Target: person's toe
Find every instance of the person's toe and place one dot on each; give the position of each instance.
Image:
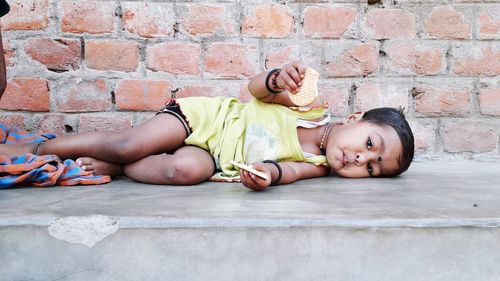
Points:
(86, 163)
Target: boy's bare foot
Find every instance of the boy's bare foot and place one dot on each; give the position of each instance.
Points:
(99, 167)
(16, 149)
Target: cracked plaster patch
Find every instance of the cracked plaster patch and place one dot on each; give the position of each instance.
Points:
(87, 231)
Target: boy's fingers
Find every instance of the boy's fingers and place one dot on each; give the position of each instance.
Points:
(252, 181)
(260, 181)
(247, 178)
(293, 73)
(244, 175)
(296, 77)
(253, 177)
(263, 183)
(287, 83)
(282, 82)
(301, 69)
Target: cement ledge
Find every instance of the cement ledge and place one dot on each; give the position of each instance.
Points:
(148, 222)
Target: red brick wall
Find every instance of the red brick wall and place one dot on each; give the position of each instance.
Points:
(76, 66)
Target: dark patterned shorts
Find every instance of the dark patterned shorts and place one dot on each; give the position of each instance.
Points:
(172, 107)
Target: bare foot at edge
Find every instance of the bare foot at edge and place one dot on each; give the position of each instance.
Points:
(99, 167)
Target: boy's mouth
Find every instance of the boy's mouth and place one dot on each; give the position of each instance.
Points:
(344, 159)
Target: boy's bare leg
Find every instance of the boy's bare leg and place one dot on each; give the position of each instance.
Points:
(188, 165)
(162, 133)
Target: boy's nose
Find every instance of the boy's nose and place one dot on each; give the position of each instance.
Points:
(359, 160)
(362, 158)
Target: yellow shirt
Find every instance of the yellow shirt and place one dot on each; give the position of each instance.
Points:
(246, 133)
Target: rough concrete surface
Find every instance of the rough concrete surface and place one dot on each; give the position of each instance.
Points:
(83, 230)
(439, 221)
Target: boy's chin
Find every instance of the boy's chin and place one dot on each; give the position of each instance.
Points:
(343, 174)
(337, 172)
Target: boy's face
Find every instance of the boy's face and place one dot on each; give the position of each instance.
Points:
(361, 149)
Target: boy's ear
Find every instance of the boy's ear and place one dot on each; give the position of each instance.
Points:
(355, 117)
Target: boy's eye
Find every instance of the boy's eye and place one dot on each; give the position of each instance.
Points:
(369, 143)
(370, 169)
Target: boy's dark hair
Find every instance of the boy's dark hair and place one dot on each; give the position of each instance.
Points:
(394, 118)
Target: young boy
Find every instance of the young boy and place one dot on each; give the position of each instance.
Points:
(199, 136)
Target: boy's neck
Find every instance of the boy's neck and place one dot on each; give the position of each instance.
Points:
(334, 126)
(324, 137)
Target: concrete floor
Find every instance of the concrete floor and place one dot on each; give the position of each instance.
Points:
(438, 221)
(429, 193)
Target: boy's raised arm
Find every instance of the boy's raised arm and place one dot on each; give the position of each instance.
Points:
(288, 78)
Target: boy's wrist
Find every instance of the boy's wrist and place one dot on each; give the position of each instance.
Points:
(271, 85)
(280, 171)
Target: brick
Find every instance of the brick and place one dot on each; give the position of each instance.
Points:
(51, 123)
(92, 17)
(371, 95)
(390, 24)
(281, 54)
(141, 95)
(412, 58)
(489, 24)
(27, 94)
(214, 89)
(117, 55)
(207, 20)
(227, 60)
(476, 60)
(56, 54)
(489, 101)
(108, 122)
(83, 96)
(424, 133)
(268, 21)
(445, 22)
(468, 136)
(27, 15)
(197, 91)
(8, 52)
(17, 120)
(358, 60)
(438, 101)
(337, 97)
(175, 58)
(324, 22)
(149, 19)
(315, 53)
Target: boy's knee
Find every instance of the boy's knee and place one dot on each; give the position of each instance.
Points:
(185, 172)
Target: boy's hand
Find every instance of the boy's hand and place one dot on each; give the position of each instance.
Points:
(291, 76)
(255, 182)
